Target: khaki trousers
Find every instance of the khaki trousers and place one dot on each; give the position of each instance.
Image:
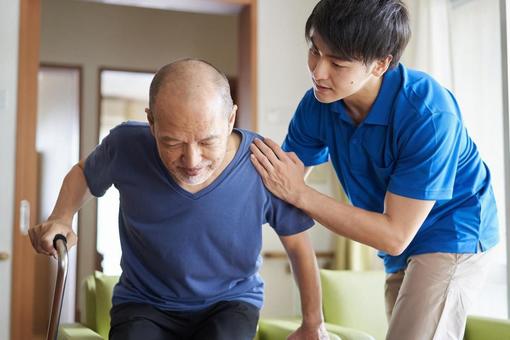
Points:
(431, 298)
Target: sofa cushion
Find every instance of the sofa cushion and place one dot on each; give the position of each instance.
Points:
(280, 329)
(77, 331)
(355, 299)
(88, 303)
(104, 292)
(482, 328)
(347, 333)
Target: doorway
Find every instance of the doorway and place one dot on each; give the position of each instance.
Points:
(123, 97)
(58, 149)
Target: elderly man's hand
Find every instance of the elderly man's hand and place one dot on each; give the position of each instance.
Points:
(42, 236)
(282, 172)
(310, 333)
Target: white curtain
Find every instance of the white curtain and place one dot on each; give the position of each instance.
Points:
(429, 48)
(458, 43)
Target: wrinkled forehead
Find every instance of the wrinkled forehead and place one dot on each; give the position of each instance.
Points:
(192, 130)
(192, 101)
(192, 116)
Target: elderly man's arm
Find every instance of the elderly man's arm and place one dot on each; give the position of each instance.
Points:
(306, 274)
(73, 194)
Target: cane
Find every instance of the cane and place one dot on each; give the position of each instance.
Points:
(60, 244)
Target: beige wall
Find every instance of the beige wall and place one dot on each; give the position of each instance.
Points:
(95, 35)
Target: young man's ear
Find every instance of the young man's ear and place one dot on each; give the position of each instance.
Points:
(150, 119)
(381, 66)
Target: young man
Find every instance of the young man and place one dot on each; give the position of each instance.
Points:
(191, 211)
(420, 192)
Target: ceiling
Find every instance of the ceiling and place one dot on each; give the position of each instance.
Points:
(196, 6)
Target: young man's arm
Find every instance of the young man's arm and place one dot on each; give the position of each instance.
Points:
(73, 194)
(306, 273)
(390, 231)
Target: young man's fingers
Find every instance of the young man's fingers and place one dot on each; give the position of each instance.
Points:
(267, 151)
(261, 170)
(276, 148)
(261, 157)
(295, 159)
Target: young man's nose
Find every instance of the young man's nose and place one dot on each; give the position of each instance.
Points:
(192, 156)
(320, 70)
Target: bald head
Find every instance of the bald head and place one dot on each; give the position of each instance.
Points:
(189, 78)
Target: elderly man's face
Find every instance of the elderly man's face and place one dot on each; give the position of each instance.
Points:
(191, 134)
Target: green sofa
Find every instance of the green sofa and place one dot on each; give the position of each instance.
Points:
(353, 304)
(480, 328)
(96, 303)
(353, 310)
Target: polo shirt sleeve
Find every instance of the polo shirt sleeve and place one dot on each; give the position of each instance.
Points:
(427, 163)
(98, 167)
(304, 134)
(285, 218)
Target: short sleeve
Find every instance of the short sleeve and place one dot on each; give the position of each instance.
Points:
(304, 134)
(285, 218)
(98, 167)
(427, 163)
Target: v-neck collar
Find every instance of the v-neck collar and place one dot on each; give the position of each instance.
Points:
(217, 181)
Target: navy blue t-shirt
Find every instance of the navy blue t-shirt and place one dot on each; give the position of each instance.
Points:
(412, 143)
(182, 250)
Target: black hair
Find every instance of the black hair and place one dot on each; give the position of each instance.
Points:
(362, 30)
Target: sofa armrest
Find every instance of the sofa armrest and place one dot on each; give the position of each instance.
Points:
(347, 333)
(481, 328)
(280, 329)
(76, 331)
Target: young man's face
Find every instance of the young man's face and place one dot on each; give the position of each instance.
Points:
(333, 78)
(191, 136)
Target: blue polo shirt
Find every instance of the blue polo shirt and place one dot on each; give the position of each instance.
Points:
(412, 143)
(186, 251)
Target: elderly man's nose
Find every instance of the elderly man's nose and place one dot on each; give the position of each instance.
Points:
(192, 156)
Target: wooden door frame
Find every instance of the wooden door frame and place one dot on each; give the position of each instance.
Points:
(247, 60)
(26, 182)
(23, 256)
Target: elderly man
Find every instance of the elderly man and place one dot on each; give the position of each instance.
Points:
(191, 213)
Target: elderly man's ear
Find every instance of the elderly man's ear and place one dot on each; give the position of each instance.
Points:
(232, 117)
(150, 119)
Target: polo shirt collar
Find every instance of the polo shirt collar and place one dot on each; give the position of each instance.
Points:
(339, 107)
